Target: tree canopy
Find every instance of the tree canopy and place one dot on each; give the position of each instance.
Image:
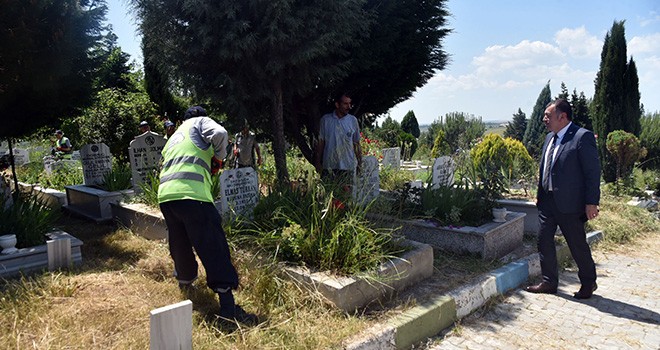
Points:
(277, 63)
(46, 70)
(515, 129)
(536, 130)
(616, 103)
(410, 125)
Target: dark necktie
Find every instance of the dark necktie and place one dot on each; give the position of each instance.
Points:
(548, 164)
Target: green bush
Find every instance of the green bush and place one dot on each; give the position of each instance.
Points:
(309, 225)
(118, 178)
(393, 179)
(408, 144)
(626, 150)
(649, 137)
(149, 190)
(489, 158)
(28, 218)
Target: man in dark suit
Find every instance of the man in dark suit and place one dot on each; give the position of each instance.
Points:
(568, 196)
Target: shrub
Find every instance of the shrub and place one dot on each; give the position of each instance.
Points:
(408, 144)
(393, 179)
(28, 218)
(626, 150)
(310, 226)
(117, 179)
(149, 190)
(440, 145)
(649, 137)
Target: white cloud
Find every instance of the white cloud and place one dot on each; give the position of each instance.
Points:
(644, 44)
(653, 17)
(578, 42)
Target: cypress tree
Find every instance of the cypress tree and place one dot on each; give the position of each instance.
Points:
(536, 131)
(410, 125)
(515, 129)
(633, 111)
(616, 96)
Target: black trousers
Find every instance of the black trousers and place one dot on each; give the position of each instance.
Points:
(195, 224)
(572, 227)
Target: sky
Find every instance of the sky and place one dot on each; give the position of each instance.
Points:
(504, 52)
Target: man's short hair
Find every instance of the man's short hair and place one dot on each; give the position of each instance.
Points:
(194, 112)
(339, 96)
(562, 105)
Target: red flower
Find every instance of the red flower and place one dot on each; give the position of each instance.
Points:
(337, 204)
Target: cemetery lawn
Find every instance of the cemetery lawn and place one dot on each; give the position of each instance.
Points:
(105, 303)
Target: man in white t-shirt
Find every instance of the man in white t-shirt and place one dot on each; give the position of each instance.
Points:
(338, 153)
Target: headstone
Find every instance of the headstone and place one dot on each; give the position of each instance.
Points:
(239, 192)
(4, 148)
(145, 153)
(96, 162)
(21, 156)
(443, 171)
(170, 327)
(59, 253)
(75, 155)
(367, 182)
(392, 158)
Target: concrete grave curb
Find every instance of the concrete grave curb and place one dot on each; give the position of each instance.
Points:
(433, 316)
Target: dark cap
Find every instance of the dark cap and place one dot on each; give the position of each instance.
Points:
(59, 132)
(193, 112)
(143, 123)
(168, 124)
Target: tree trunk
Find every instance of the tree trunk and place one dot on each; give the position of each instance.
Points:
(13, 168)
(279, 151)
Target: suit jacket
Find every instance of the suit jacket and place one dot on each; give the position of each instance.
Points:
(575, 172)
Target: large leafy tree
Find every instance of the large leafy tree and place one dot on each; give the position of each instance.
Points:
(616, 96)
(515, 129)
(536, 130)
(46, 70)
(410, 125)
(276, 63)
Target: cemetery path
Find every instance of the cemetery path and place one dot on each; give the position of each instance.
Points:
(624, 312)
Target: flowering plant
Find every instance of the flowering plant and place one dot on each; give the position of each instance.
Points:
(370, 147)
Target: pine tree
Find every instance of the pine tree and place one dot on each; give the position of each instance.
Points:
(515, 129)
(616, 95)
(536, 131)
(409, 124)
(580, 107)
(564, 91)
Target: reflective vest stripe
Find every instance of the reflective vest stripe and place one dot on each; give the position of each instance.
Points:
(187, 159)
(182, 176)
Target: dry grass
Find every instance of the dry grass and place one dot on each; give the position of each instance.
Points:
(105, 303)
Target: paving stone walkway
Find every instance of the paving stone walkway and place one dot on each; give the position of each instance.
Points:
(624, 313)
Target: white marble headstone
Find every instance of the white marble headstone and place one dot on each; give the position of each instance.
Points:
(21, 156)
(145, 153)
(443, 171)
(392, 157)
(367, 182)
(239, 192)
(96, 162)
(170, 327)
(75, 155)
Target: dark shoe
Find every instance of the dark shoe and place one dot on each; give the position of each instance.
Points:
(543, 288)
(585, 292)
(239, 315)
